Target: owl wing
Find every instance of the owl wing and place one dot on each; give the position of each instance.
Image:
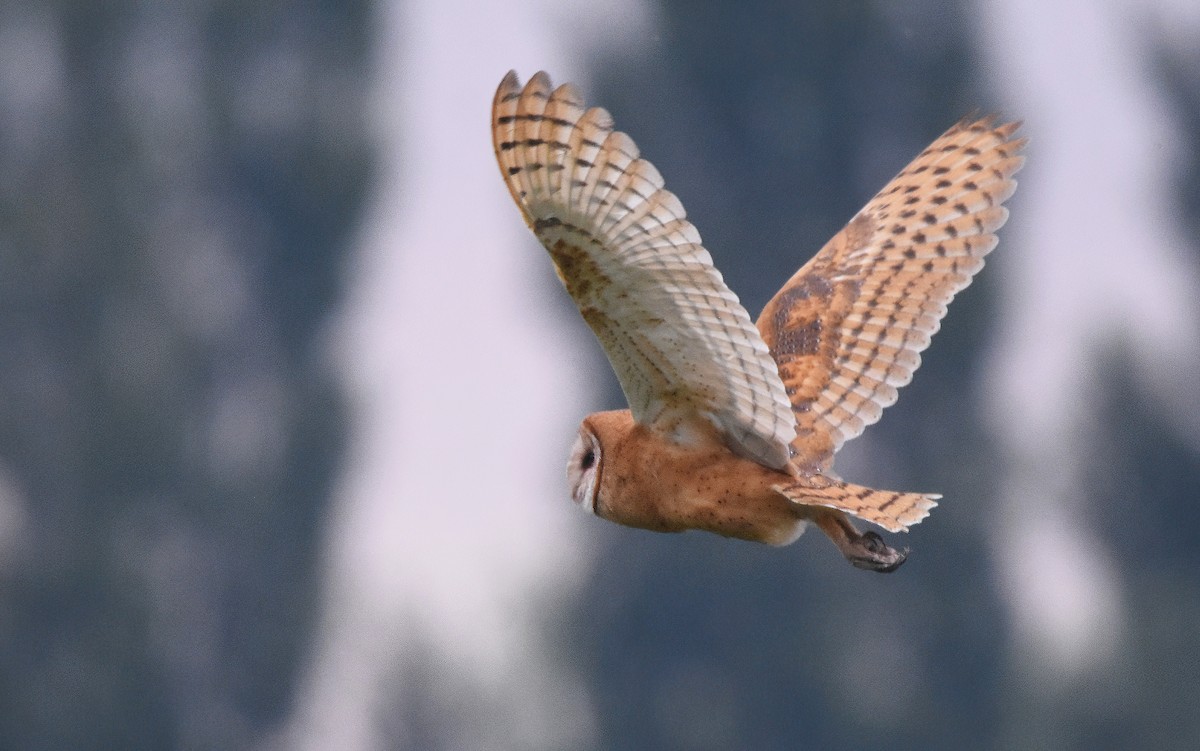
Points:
(678, 339)
(847, 329)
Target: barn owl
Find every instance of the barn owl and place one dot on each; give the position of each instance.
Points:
(732, 427)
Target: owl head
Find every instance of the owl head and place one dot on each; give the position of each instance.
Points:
(601, 438)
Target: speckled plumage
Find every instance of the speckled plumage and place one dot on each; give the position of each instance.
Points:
(732, 427)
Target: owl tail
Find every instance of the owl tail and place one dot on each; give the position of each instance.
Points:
(893, 511)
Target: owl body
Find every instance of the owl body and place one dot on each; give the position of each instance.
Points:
(686, 478)
(733, 425)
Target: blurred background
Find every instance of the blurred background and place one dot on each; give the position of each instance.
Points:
(287, 388)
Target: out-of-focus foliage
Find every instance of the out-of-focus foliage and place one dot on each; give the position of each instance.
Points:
(176, 185)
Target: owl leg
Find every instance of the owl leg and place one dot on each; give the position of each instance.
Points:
(865, 550)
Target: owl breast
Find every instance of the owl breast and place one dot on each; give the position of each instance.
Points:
(651, 481)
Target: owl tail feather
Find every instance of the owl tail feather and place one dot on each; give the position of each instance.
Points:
(892, 510)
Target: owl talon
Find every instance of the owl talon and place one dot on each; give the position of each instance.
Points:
(871, 553)
(865, 550)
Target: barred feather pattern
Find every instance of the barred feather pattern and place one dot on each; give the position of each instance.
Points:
(893, 510)
(679, 341)
(848, 329)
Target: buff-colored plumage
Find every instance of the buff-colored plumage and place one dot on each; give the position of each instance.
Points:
(733, 428)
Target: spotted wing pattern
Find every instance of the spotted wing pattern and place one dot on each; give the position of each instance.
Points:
(847, 329)
(678, 339)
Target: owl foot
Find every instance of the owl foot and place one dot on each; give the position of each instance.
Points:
(865, 550)
(870, 552)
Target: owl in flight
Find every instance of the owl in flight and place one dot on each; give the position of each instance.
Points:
(732, 427)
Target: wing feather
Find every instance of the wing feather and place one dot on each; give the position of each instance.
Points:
(679, 340)
(848, 329)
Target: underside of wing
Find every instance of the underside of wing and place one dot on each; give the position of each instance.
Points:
(679, 340)
(847, 330)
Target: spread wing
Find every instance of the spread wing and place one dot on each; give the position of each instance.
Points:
(848, 328)
(678, 339)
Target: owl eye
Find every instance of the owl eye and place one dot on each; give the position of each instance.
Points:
(589, 458)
